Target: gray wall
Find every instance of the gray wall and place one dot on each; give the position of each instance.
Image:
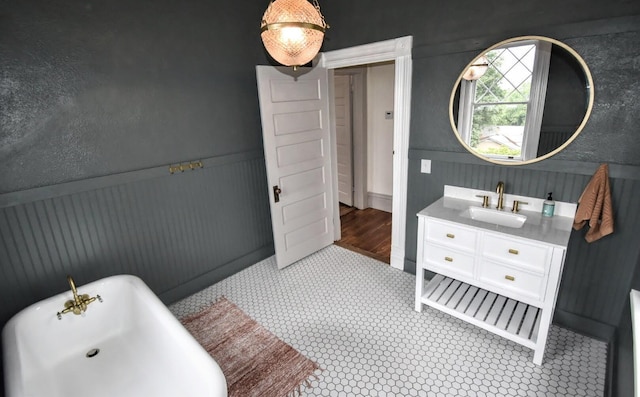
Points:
(97, 99)
(92, 88)
(178, 232)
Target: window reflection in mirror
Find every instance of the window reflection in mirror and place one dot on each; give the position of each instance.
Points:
(533, 99)
(503, 108)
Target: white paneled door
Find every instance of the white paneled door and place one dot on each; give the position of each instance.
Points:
(294, 108)
(342, 100)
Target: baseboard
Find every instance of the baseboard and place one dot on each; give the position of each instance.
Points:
(610, 387)
(397, 260)
(584, 325)
(409, 266)
(596, 330)
(220, 273)
(382, 202)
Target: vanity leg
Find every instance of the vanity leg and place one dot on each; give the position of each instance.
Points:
(419, 268)
(538, 355)
(546, 316)
(419, 288)
(543, 333)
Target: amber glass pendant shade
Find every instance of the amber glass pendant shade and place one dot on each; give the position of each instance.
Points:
(292, 31)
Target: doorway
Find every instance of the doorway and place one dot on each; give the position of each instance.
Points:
(399, 51)
(363, 108)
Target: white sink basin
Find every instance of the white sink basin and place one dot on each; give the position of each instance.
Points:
(491, 215)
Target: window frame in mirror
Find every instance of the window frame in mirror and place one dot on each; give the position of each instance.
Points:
(503, 160)
(534, 104)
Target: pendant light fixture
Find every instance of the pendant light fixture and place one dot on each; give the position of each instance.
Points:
(292, 31)
(477, 69)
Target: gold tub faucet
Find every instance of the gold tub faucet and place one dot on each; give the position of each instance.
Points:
(79, 303)
(500, 191)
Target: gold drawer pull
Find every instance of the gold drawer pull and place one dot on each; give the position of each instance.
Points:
(451, 235)
(510, 278)
(512, 251)
(448, 259)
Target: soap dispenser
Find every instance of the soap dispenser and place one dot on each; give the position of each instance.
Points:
(548, 206)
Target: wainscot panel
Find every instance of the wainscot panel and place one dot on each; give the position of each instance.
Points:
(179, 232)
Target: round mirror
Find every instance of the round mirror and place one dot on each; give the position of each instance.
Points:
(521, 101)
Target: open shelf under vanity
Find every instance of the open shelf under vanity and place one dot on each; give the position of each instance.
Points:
(511, 319)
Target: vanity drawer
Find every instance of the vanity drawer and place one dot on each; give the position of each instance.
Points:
(451, 235)
(529, 256)
(447, 261)
(521, 283)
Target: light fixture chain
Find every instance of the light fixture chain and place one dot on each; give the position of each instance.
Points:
(317, 6)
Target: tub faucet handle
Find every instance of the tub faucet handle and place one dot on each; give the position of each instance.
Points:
(77, 305)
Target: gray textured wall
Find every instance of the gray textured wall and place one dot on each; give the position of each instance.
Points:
(96, 100)
(92, 88)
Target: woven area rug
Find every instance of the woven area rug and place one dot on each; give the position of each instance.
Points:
(254, 361)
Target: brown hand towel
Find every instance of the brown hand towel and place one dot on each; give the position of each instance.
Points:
(594, 206)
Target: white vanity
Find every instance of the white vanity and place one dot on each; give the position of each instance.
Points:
(496, 269)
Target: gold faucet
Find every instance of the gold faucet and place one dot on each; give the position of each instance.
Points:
(79, 303)
(500, 191)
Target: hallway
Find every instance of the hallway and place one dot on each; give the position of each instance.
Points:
(367, 232)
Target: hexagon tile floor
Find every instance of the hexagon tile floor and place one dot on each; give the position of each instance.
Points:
(354, 316)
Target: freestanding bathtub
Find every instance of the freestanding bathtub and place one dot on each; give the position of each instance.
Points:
(127, 345)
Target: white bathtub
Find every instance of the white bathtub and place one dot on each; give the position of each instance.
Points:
(143, 348)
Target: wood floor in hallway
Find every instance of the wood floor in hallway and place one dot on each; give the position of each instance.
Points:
(367, 232)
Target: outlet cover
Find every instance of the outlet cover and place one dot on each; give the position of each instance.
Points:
(425, 166)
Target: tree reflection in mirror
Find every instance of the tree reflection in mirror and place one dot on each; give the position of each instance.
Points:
(532, 97)
(502, 110)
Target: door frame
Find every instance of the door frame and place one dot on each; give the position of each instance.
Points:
(398, 50)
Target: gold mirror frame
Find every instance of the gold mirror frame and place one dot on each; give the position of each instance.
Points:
(587, 114)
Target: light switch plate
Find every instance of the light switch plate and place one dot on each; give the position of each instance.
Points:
(425, 166)
(388, 115)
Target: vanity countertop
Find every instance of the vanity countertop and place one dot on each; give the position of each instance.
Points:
(554, 230)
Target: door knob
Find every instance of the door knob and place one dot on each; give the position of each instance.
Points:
(276, 193)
